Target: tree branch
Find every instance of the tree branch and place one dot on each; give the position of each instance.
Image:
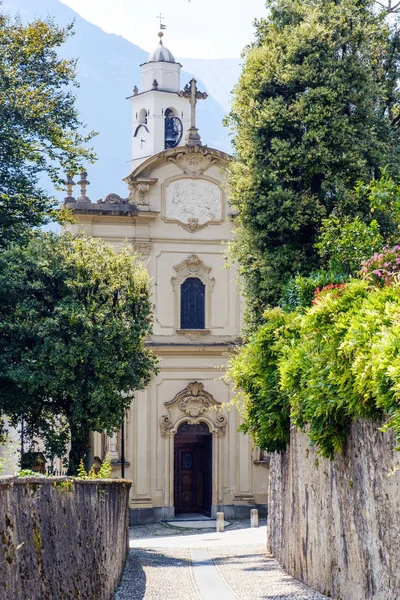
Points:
(389, 7)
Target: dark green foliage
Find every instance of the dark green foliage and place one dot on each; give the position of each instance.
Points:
(74, 317)
(343, 244)
(39, 124)
(299, 291)
(314, 112)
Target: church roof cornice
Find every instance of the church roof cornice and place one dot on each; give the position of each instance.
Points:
(164, 62)
(172, 155)
(112, 209)
(157, 91)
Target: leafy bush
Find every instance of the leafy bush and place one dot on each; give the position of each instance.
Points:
(343, 243)
(104, 471)
(337, 287)
(266, 409)
(29, 473)
(382, 267)
(383, 195)
(323, 367)
(299, 292)
(314, 373)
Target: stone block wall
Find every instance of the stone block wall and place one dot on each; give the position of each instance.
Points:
(336, 525)
(62, 539)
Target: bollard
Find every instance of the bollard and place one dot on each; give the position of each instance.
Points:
(254, 517)
(220, 522)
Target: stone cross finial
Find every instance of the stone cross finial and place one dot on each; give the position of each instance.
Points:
(69, 182)
(191, 93)
(83, 183)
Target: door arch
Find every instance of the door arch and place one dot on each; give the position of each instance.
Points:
(193, 469)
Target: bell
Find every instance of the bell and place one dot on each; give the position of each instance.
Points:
(170, 133)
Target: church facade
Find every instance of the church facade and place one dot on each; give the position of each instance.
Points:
(182, 448)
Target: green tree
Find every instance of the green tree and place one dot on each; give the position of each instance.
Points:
(39, 125)
(74, 317)
(314, 112)
(343, 243)
(383, 195)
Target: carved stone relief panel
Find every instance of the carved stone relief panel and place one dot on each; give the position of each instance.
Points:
(193, 405)
(193, 203)
(142, 247)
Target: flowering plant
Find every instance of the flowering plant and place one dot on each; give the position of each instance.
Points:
(383, 267)
(332, 286)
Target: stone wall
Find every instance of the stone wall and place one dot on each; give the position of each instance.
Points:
(62, 539)
(336, 525)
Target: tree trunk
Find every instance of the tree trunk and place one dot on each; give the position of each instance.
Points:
(80, 437)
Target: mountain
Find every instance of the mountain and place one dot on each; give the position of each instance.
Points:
(219, 75)
(108, 68)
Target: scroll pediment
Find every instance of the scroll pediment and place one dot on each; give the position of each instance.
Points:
(194, 402)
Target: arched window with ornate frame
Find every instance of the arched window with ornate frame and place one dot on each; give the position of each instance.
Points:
(193, 304)
(192, 290)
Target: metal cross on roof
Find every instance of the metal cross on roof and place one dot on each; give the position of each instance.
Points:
(161, 19)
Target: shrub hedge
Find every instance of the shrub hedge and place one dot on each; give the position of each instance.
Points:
(323, 367)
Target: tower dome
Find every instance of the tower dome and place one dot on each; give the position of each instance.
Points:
(161, 53)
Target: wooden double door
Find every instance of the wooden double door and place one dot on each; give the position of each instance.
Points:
(193, 470)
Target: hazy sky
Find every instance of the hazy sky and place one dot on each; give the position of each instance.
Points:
(195, 29)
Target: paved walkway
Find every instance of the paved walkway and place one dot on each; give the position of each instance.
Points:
(169, 564)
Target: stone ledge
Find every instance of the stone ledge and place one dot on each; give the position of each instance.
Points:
(7, 480)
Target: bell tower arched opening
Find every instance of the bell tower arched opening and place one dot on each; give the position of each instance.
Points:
(173, 128)
(143, 116)
(193, 469)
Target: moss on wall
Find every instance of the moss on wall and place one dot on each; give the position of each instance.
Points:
(61, 538)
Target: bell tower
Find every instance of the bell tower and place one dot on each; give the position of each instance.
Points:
(160, 115)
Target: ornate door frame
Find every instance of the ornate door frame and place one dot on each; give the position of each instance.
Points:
(193, 405)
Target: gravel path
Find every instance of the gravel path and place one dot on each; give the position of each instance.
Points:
(165, 563)
(252, 575)
(158, 575)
